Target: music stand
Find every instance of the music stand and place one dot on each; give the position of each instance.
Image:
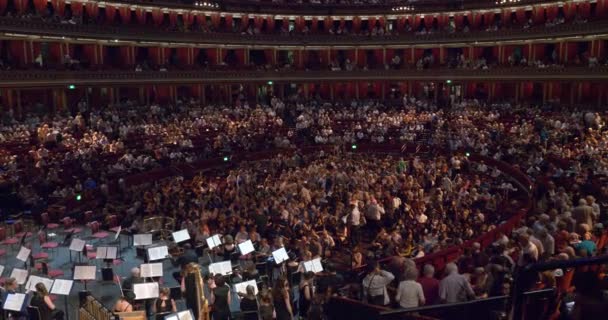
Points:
(85, 273)
(14, 302)
(62, 287)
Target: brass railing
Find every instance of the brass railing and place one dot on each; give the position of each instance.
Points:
(35, 78)
(18, 26)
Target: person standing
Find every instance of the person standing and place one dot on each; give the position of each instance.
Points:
(454, 287)
(220, 298)
(374, 285)
(282, 300)
(409, 292)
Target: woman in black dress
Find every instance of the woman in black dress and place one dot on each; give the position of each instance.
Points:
(282, 300)
(220, 298)
(306, 293)
(45, 305)
(249, 305)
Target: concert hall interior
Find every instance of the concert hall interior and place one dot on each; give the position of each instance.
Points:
(303, 159)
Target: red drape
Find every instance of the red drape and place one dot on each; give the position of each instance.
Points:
(228, 18)
(54, 53)
(141, 15)
(20, 5)
(92, 9)
(459, 21)
(158, 16)
(155, 55)
(489, 18)
(187, 18)
(315, 24)
(125, 14)
(539, 51)
(173, 18)
(215, 20)
(77, 8)
(356, 24)
(371, 22)
(539, 15)
(39, 4)
(602, 8)
(401, 24)
(268, 54)
(428, 21)
(327, 23)
(521, 15)
(110, 13)
(270, 23)
(584, 9)
(89, 52)
(3, 4)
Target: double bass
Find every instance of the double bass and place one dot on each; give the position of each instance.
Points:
(194, 294)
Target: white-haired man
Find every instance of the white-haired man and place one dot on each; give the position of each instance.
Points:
(454, 287)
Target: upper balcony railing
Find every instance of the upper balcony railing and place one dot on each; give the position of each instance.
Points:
(62, 78)
(308, 7)
(17, 26)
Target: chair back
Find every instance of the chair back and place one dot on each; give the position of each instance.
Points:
(18, 226)
(94, 226)
(33, 313)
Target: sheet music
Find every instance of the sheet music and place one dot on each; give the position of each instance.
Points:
(280, 255)
(77, 245)
(158, 253)
(14, 301)
(34, 280)
(20, 275)
(181, 236)
(214, 241)
(24, 254)
(185, 315)
(143, 239)
(313, 265)
(85, 272)
(242, 286)
(246, 247)
(223, 268)
(62, 287)
(106, 253)
(1, 270)
(150, 270)
(147, 290)
(172, 316)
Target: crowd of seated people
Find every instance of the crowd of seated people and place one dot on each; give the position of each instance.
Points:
(369, 206)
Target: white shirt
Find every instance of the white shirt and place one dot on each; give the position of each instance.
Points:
(409, 294)
(355, 217)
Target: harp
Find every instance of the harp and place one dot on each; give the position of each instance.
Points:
(194, 293)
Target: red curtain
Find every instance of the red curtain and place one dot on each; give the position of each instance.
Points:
(489, 18)
(539, 15)
(539, 51)
(54, 53)
(110, 13)
(186, 17)
(89, 52)
(141, 16)
(270, 23)
(77, 8)
(155, 55)
(584, 9)
(459, 21)
(215, 20)
(92, 9)
(601, 8)
(356, 24)
(371, 22)
(269, 55)
(315, 24)
(552, 12)
(20, 5)
(428, 21)
(3, 4)
(158, 16)
(475, 20)
(521, 16)
(125, 14)
(39, 4)
(173, 18)
(327, 23)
